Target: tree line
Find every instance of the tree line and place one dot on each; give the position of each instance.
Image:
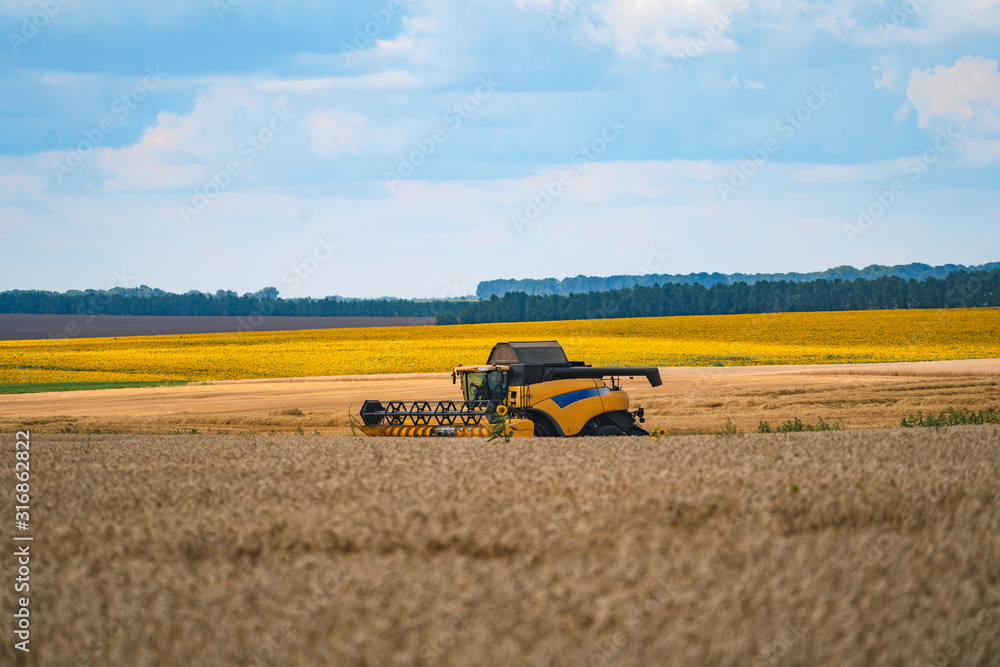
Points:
(266, 302)
(582, 284)
(960, 289)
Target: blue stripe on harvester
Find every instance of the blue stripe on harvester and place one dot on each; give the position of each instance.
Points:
(572, 397)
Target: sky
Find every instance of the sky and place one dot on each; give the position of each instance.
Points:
(413, 149)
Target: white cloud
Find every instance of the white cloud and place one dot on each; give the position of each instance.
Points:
(658, 31)
(819, 174)
(915, 22)
(141, 167)
(946, 19)
(180, 148)
(947, 91)
(966, 98)
(793, 211)
(336, 134)
(890, 79)
(22, 185)
(378, 81)
(426, 51)
(750, 84)
(902, 113)
(926, 22)
(982, 152)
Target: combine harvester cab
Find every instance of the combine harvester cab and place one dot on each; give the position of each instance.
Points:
(526, 388)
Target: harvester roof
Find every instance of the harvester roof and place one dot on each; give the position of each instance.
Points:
(528, 352)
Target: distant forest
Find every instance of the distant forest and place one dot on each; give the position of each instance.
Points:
(958, 290)
(266, 302)
(584, 284)
(961, 289)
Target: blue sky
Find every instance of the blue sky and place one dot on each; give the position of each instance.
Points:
(414, 149)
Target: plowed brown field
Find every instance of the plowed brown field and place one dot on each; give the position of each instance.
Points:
(846, 548)
(27, 327)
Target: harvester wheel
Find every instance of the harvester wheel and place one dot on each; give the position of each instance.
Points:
(608, 430)
(543, 430)
(635, 430)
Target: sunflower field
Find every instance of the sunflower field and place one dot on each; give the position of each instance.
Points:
(779, 338)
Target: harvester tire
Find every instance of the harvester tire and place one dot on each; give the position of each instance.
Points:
(543, 430)
(607, 430)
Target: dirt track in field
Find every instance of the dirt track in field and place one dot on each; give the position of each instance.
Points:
(848, 548)
(691, 400)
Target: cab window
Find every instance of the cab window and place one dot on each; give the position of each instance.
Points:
(491, 385)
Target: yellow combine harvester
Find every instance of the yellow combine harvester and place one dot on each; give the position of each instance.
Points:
(523, 389)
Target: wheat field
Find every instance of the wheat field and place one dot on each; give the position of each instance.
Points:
(846, 548)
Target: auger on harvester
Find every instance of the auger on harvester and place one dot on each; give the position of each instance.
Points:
(523, 389)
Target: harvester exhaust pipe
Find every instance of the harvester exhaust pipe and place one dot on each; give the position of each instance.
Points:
(650, 373)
